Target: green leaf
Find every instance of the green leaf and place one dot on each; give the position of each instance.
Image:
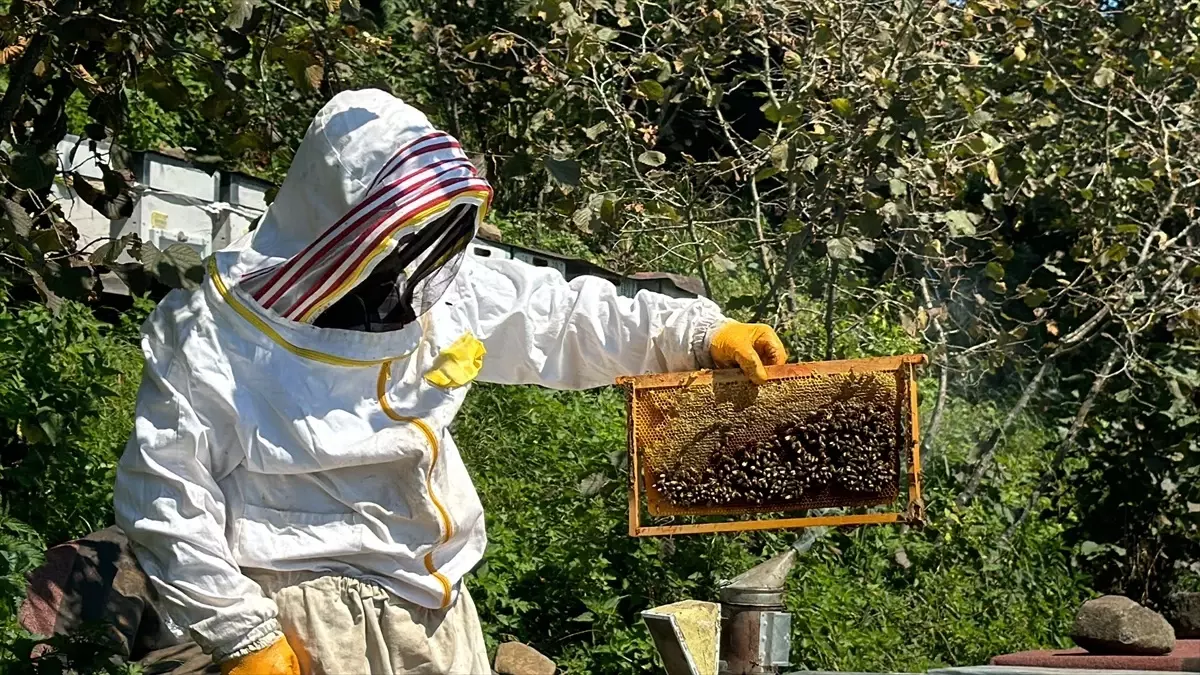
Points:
(297, 64)
(897, 187)
(564, 171)
(517, 166)
(247, 140)
(652, 158)
(108, 253)
(48, 240)
(663, 209)
(961, 223)
(650, 89)
(114, 199)
(1036, 298)
(765, 173)
(869, 224)
(1130, 25)
(842, 106)
(606, 34)
(994, 271)
(31, 171)
(1045, 121)
(239, 11)
(20, 220)
(608, 211)
(164, 88)
(793, 225)
(593, 132)
(810, 163)
(179, 266)
(582, 218)
(1114, 254)
(840, 248)
(1104, 76)
(742, 302)
(724, 264)
(592, 485)
(481, 42)
(979, 119)
(780, 156)
(51, 426)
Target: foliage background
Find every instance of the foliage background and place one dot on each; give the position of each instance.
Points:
(1007, 186)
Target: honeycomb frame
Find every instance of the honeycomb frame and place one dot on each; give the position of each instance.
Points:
(793, 384)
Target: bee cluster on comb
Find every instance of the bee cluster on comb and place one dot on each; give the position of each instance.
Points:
(847, 447)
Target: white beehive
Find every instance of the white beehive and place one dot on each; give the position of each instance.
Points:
(481, 248)
(537, 260)
(247, 198)
(176, 205)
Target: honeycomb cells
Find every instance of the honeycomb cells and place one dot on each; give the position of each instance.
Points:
(847, 446)
(810, 442)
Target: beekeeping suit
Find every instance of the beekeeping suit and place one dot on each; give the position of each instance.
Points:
(291, 470)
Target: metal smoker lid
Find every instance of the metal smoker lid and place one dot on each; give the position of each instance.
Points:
(762, 585)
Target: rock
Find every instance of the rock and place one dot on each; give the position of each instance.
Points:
(490, 232)
(1117, 625)
(1183, 612)
(514, 658)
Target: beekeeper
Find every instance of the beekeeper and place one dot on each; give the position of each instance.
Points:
(291, 486)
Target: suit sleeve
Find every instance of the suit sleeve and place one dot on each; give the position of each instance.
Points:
(540, 329)
(170, 506)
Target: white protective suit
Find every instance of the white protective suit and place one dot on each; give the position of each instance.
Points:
(264, 442)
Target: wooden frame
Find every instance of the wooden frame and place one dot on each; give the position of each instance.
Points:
(914, 512)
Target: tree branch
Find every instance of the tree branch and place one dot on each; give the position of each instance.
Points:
(988, 450)
(830, 296)
(1068, 443)
(935, 418)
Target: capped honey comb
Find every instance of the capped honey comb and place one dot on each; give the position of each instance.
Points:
(815, 436)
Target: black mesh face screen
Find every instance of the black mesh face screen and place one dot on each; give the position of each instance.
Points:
(439, 266)
(389, 299)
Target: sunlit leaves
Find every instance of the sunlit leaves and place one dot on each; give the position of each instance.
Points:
(652, 158)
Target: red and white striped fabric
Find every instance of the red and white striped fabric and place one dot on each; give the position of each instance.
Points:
(425, 180)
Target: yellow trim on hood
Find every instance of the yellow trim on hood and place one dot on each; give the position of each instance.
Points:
(257, 321)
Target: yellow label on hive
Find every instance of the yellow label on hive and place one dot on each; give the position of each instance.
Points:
(158, 220)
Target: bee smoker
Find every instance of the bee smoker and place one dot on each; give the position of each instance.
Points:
(754, 633)
(755, 629)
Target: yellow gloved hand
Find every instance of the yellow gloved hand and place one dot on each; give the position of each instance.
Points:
(749, 346)
(458, 364)
(278, 659)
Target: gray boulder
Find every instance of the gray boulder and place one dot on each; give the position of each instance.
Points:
(1183, 611)
(1117, 625)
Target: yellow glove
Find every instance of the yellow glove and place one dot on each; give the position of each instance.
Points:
(458, 364)
(749, 346)
(278, 659)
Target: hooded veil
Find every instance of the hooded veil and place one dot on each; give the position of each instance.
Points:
(373, 228)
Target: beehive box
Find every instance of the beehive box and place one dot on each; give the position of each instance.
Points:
(834, 434)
